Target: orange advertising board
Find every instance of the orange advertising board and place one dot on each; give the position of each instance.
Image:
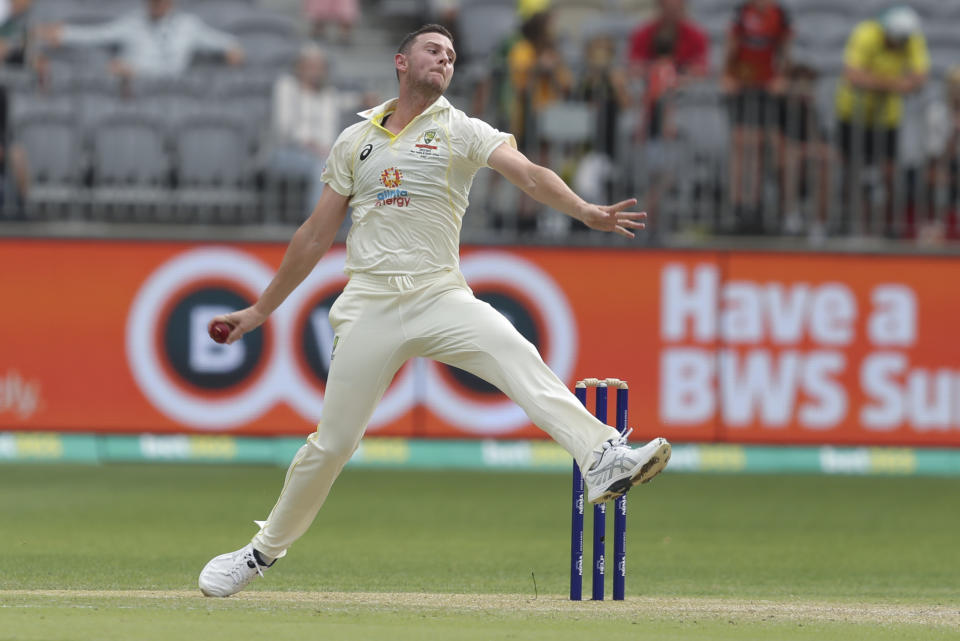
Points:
(717, 346)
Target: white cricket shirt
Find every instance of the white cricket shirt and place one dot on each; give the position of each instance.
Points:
(409, 191)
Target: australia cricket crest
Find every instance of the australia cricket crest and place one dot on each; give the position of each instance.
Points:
(427, 144)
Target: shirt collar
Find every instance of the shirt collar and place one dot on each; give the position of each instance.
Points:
(376, 113)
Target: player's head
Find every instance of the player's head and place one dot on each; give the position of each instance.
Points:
(424, 59)
(899, 23)
(158, 8)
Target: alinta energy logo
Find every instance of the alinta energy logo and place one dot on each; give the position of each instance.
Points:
(392, 179)
(209, 386)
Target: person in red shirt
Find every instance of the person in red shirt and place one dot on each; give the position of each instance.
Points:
(671, 34)
(753, 78)
(667, 52)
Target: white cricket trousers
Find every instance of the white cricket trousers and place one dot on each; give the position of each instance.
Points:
(381, 322)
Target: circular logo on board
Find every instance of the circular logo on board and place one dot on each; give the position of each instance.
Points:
(193, 356)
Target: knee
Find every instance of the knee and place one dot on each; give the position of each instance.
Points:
(330, 449)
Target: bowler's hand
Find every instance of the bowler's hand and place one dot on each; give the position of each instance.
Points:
(242, 321)
(614, 218)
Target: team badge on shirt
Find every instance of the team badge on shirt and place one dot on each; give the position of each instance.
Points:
(392, 179)
(427, 143)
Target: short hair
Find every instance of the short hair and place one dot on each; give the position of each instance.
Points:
(408, 39)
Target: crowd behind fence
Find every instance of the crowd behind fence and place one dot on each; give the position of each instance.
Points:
(801, 183)
(198, 148)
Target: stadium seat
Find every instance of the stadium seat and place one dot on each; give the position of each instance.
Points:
(367, 68)
(799, 8)
(68, 64)
(53, 150)
(943, 35)
(712, 11)
(825, 59)
(483, 26)
(219, 13)
(214, 166)
(566, 122)
(17, 79)
(824, 31)
(401, 8)
(246, 97)
(703, 125)
(97, 98)
(29, 100)
(130, 163)
(269, 50)
(260, 21)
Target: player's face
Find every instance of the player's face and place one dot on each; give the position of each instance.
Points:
(430, 62)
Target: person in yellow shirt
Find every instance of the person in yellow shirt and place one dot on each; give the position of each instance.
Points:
(538, 73)
(538, 77)
(885, 58)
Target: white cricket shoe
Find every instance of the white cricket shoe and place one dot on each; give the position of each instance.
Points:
(229, 573)
(618, 467)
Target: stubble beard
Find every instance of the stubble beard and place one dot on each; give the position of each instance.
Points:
(427, 90)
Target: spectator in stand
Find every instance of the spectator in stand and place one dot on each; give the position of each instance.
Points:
(526, 9)
(154, 41)
(13, 46)
(753, 79)
(306, 120)
(322, 12)
(943, 162)
(884, 59)
(538, 76)
(14, 32)
(805, 162)
(667, 52)
(445, 12)
(603, 86)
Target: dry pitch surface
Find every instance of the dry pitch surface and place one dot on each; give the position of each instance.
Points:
(646, 607)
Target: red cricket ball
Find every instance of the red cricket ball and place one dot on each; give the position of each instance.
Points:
(219, 331)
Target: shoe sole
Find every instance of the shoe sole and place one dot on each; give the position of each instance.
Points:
(648, 471)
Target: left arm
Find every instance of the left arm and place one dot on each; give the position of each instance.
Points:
(545, 186)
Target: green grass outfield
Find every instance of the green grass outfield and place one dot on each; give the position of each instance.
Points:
(112, 552)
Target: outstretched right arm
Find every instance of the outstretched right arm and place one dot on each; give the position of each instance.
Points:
(308, 245)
